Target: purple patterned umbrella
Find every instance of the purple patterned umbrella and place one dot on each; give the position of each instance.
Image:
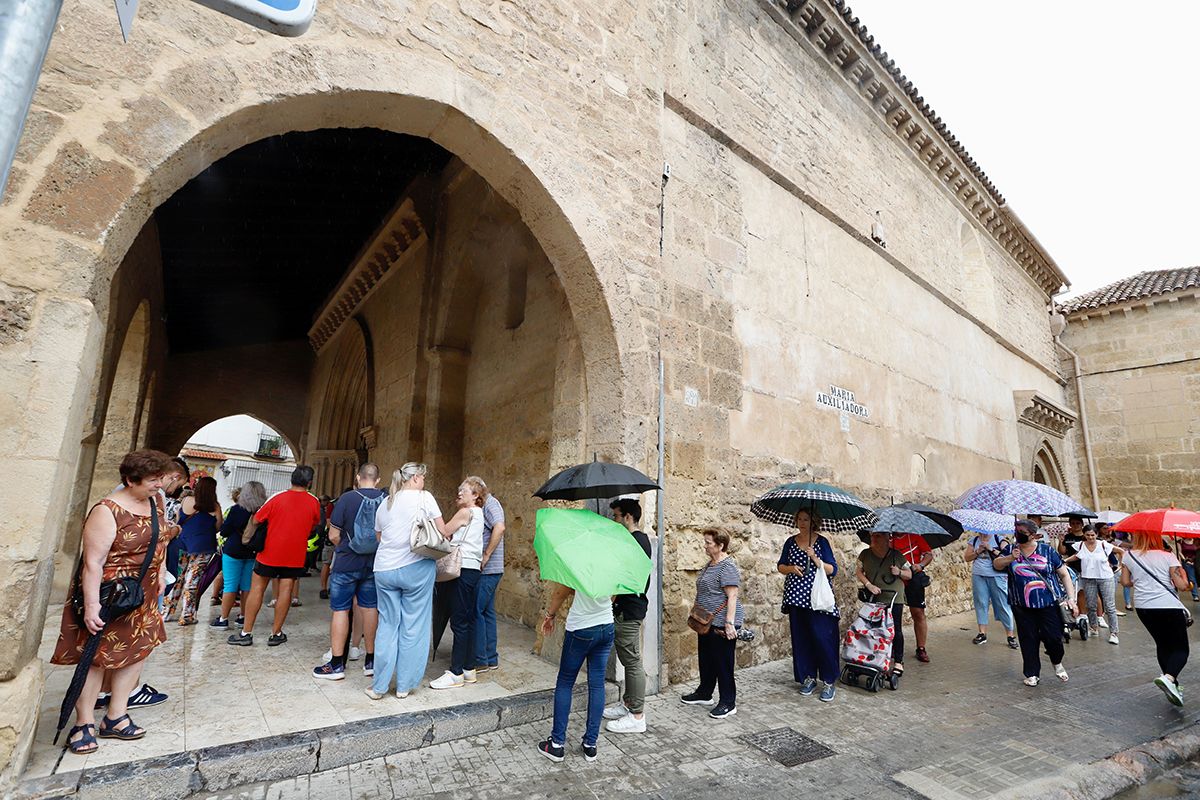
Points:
(985, 521)
(1019, 497)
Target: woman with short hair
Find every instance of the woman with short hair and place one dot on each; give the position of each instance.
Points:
(237, 560)
(201, 517)
(815, 634)
(717, 588)
(116, 541)
(1157, 577)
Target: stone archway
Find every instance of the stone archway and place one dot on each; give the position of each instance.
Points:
(1047, 469)
(345, 434)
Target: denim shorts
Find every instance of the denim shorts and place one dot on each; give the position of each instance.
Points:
(344, 587)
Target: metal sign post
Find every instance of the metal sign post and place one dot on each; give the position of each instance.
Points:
(126, 9)
(282, 17)
(25, 30)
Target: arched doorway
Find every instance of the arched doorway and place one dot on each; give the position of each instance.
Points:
(1046, 468)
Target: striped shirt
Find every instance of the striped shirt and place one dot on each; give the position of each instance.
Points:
(710, 591)
(493, 515)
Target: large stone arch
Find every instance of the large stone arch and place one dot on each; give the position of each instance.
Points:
(418, 96)
(344, 434)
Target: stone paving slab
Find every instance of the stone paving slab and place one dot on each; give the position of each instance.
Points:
(962, 727)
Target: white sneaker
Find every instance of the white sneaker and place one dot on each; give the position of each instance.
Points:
(1032, 680)
(1112, 639)
(1170, 689)
(328, 655)
(469, 676)
(448, 681)
(1103, 623)
(371, 693)
(355, 654)
(616, 712)
(1061, 672)
(401, 695)
(627, 724)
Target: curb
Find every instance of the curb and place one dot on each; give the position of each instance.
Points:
(1109, 777)
(290, 755)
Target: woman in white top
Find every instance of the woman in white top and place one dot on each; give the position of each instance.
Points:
(467, 534)
(403, 584)
(1157, 578)
(1095, 578)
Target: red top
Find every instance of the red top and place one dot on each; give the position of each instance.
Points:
(911, 546)
(291, 516)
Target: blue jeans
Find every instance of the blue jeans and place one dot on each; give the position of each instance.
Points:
(1190, 568)
(994, 589)
(486, 654)
(462, 621)
(405, 618)
(592, 644)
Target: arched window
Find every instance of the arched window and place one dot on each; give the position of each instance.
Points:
(1046, 469)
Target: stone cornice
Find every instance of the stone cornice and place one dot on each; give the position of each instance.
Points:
(398, 235)
(830, 28)
(1042, 413)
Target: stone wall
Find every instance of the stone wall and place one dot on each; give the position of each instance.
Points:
(1142, 394)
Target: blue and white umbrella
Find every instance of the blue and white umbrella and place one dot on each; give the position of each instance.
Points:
(1020, 497)
(897, 520)
(985, 522)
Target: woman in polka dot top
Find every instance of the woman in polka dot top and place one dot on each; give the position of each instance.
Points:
(814, 633)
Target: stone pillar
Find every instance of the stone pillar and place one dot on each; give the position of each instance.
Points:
(47, 360)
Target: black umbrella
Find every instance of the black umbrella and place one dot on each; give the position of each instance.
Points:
(595, 480)
(77, 680)
(954, 528)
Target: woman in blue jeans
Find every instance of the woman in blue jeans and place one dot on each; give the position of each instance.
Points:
(589, 635)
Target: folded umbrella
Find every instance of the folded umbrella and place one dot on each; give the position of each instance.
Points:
(1020, 497)
(838, 509)
(897, 520)
(595, 480)
(1166, 521)
(589, 553)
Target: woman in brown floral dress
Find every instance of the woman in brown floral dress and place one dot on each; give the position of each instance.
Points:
(116, 536)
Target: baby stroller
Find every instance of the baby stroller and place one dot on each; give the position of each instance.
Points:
(1071, 624)
(867, 648)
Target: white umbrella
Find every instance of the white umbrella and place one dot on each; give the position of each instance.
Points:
(1110, 517)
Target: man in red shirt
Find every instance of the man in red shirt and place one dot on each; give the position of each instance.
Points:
(290, 516)
(918, 554)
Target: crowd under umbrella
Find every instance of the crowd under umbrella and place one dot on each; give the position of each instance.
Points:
(900, 520)
(1020, 497)
(838, 509)
(985, 522)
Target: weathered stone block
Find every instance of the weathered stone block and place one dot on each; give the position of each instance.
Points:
(79, 193)
(267, 759)
(458, 722)
(373, 738)
(149, 133)
(522, 708)
(162, 778)
(49, 787)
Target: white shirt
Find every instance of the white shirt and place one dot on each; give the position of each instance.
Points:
(396, 526)
(469, 539)
(588, 612)
(1094, 564)
(1149, 593)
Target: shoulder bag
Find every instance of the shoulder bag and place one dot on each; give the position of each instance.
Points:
(426, 541)
(700, 620)
(254, 535)
(449, 566)
(119, 596)
(864, 594)
(1187, 615)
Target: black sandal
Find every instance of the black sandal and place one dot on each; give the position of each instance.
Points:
(86, 743)
(109, 729)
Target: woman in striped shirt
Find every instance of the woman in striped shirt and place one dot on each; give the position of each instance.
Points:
(717, 592)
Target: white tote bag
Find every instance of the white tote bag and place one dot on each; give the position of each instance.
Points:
(822, 592)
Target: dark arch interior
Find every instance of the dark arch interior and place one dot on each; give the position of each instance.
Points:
(253, 245)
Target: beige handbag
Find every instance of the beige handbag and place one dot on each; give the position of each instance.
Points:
(427, 541)
(449, 566)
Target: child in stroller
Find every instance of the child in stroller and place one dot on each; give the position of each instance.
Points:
(873, 648)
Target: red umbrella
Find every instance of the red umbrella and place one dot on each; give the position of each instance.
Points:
(1168, 521)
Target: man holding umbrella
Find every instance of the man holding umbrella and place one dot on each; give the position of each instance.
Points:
(629, 610)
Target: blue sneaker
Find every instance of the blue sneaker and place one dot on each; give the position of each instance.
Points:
(329, 672)
(219, 623)
(808, 687)
(146, 696)
(828, 693)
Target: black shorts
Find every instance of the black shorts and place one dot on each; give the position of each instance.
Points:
(267, 571)
(914, 596)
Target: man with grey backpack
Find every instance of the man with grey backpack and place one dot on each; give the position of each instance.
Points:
(352, 575)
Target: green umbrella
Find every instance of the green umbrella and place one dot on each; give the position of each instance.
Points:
(589, 553)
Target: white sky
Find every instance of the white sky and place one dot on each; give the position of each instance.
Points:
(1082, 114)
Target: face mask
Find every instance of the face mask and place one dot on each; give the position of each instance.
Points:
(1022, 537)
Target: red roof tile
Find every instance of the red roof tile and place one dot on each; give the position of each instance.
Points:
(1144, 284)
(210, 455)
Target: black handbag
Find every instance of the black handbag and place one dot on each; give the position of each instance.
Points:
(119, 596)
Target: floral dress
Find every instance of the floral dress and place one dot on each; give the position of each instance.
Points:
(129, 638)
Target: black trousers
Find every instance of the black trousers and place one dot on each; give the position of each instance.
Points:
(715, 654)
(898, 642)
(1038, 626)
(1168, 629)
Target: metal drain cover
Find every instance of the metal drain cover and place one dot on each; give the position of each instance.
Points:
(787, 746)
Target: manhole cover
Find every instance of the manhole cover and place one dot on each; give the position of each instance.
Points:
(787, 746)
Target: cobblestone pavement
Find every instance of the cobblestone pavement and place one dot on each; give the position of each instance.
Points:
(962, 726)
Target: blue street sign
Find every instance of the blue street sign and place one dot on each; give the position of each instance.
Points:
(283, 17)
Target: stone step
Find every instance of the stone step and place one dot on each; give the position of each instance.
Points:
(273, 758)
